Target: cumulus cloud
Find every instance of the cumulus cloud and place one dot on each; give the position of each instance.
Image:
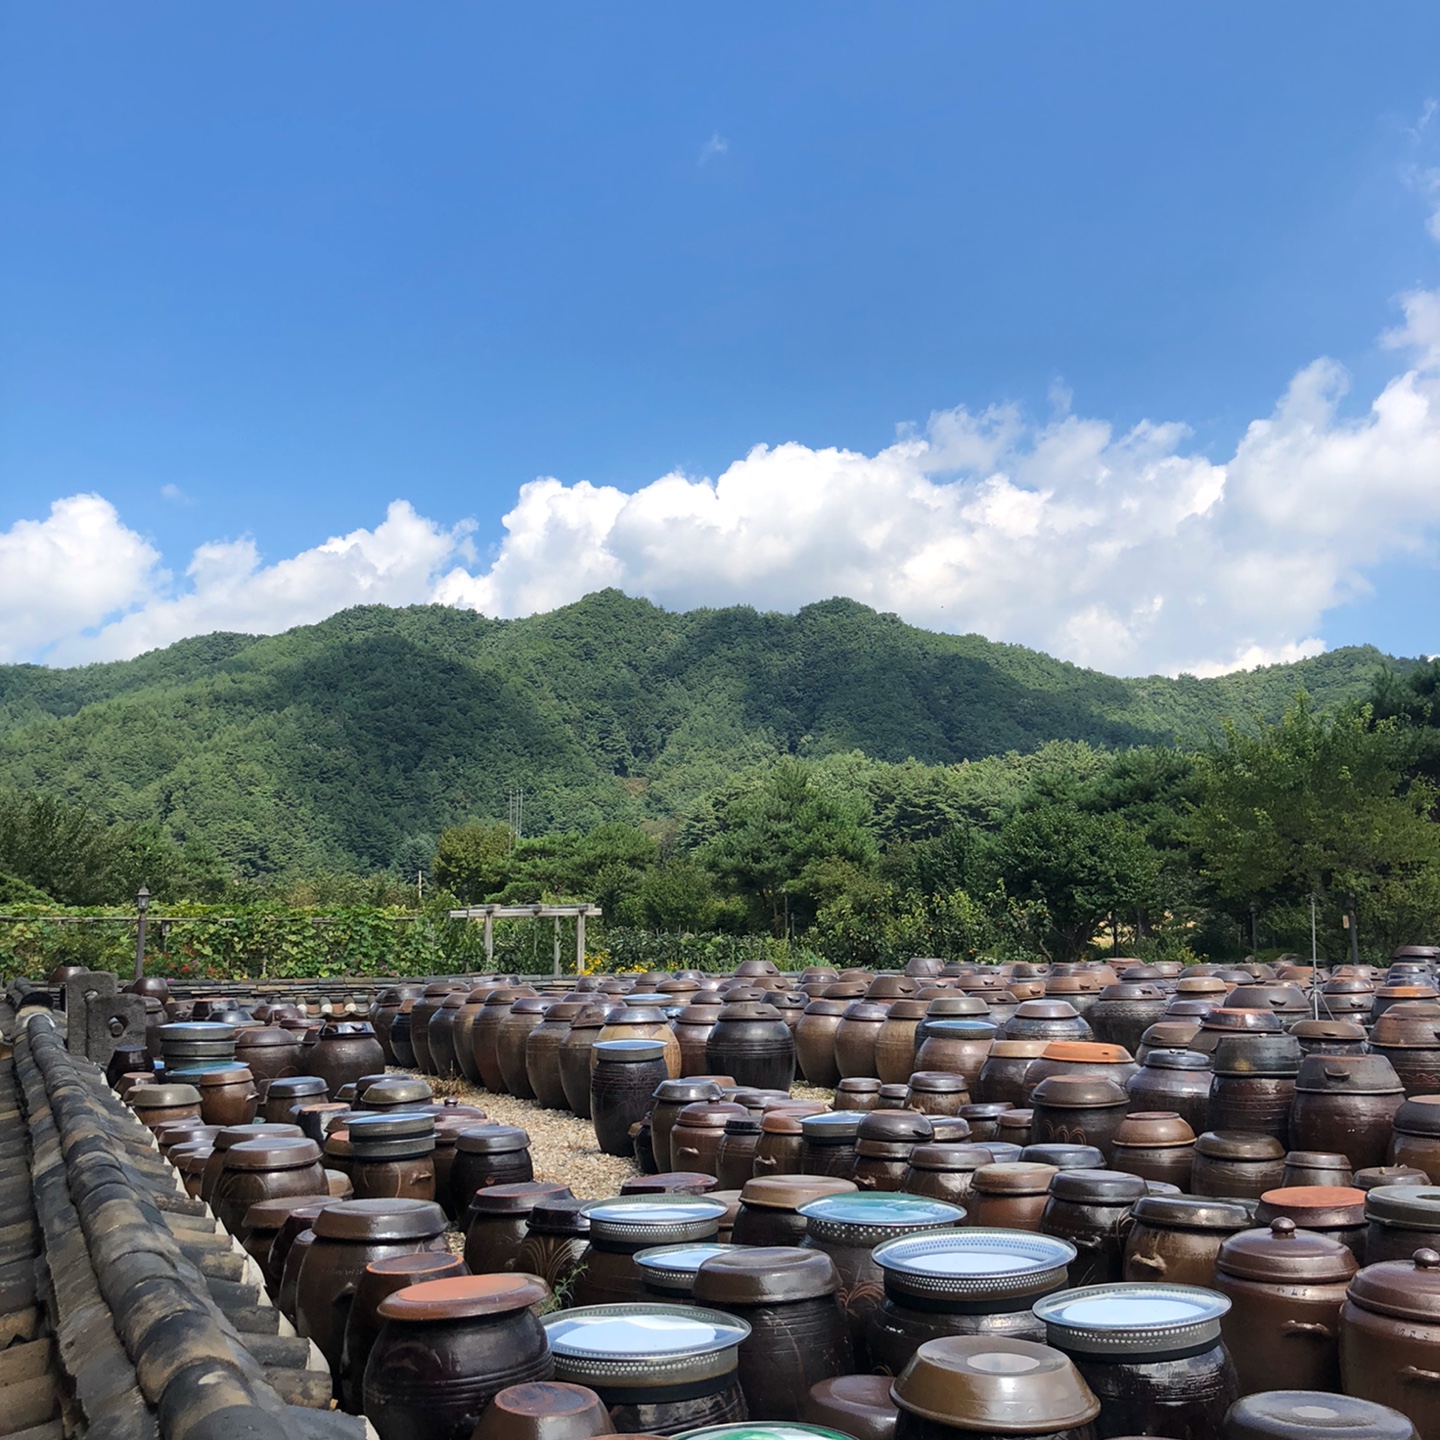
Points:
(1126, 550)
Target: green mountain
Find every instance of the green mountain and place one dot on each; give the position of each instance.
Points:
(340, 743)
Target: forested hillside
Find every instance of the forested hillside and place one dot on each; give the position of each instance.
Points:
(351, 744)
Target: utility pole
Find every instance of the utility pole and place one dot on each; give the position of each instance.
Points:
(419, 887)
(142, 904)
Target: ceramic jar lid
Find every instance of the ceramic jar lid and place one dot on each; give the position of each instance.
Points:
(943, 1005)
(1097, 1187)
(1192, 1212)
(985, 1110)
(974, 1264)
(1046, 1010)
(659, 1219)
(492, 1140)
(629, 1052)
(563, 1215)
(393, 1093)
(1300, 1414)
(1019, 1049)
(262, 1037)
(636, 1344)
(1087, 1052)
(272, 1214)
(380, 1220)
(765, 1275)
(1419, 1116)
(1348, 1075)
(1177, 1060)
(790, 1192)
(1238, 1145)
(1286, 1255)
(674, 1267)
(1003, 1387)
(276, 1152)
(1078, 1092)
(764, 1430)
(1132, 1319)
(938, 1082)
(685, 1092)
(229, 1135)
(951, 1159)
(1410, 1207)
(1153, 1129)
(1015, 1178)
(462, 1297)
(1406, 1289)
(908, 1127)
(709, 1114)
(1233, 1018)
(295, 1087)
(191, 1030)
(670, 1182)
(1064, 1157)
(1316, 1207)
(162, 1097)
(519, 1198)
(389, 1125)
(949, 1129)
(833, 1127)
(853, 1219)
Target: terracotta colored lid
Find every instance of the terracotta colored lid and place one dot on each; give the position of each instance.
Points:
(1015, 1178)
(765, 1275)
(383, 1220)
(516, 1199)
(1302, 1414)
(982, 1382)
(1087, 1052)
(274, 1152)
(1077, 1092)
(1132, 1318)
(1317, 1207)
(1238, 1145)
(423, 1262)
(1406, 1289)
(462, 1297)
(492, 1140)
(1192, 1212)
(790, 1192)
(1285, 1254)
(670, 1182)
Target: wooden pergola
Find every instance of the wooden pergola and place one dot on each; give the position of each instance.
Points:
(490, 913)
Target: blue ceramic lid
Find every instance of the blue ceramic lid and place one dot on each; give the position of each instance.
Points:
(1131, 1319)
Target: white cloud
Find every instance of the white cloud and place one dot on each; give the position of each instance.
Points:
(1124, 550)
(714, 147)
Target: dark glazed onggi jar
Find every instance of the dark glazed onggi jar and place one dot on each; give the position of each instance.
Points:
(1176, 1238)
(957, 1047)
(781, 1143)
(1415, 1138)
(770, 1207)
(1002, 1076)
(752, 1042)
(348, 1236)
(1390, 1338)
(622, 1083)
(275, 1168)
(1011, 1195)
(1152, 1355)
(621, 1227)
(1077, 1110)
(848, 1227)
(661, 1369)
(488, 1155)
(524, 1017)
(859, 1093)
(1311, 1414)
(343, 1053)
(1236, 1166)
(1346, 1103)
(1401, 1219)
(961, 1282)
(966, 1386)
(1337, 1211)
(884, 1144)
(698, 1130)
(1177, 1080)
(896, 1044)
(667, 1272)
(557, 1239)
(828, 1143)
(392, 1155)
(669, 1099)
(1286, 1288)
(945, 1172)
(1090, 1210)
(498, 1220)
(798, 1335)
(446, 1347)
(856, 1038)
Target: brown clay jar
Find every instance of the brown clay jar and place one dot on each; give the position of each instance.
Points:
(780, 1146)
(798, 1335)
(958, 1047)
(1010, 1195)
(392, 1155)
(1315, 1167)
(418, 1033)
(692, 1030)
(231, 1135)
(1155, 1145)
(1390, 1337)
(815, 1041)
(556, 1242)
(856, 1038)
(752, 1042)
(935, 1092)
(1081, 1057)
(769, 1213)
(1002, 1076)
(274, 1168)
(1415, 1136)
(895, 1045)
(828, 1143)
(858, 1092)
(735, 1155)
(269, 1052)
(348, 1236)
(277, 1268)
(442, 1033)
(1124, 1011)
(945, 1172)
(1090, 1210)
(622, 1082)
(1346, 1103)
(855, 1405)
(343, 1052)
(381, 1280)
(1235, 1165)
(1076, 1110)
(584, 1030)
(542, 1053)
(1047, 1020)
(485, 1036)
(155, 1104)
(883, 1146)
(622, 1227)
(1177, 1080)
(643, 1022)
(1286, 1288)
(262, 1223)
(695, 1138)
(983, 1118)
(669, 1099)
(498, 1219)
(961, 1282)
(287, 1091)
(1175, 1239)
(848, 1227)
(446, 1347)
(488, 1155)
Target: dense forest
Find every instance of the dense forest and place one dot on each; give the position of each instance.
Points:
(834, 780)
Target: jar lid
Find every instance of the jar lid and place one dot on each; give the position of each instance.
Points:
(643, 1345)
(1408, 1207)
(1192, 1212)
(387, 1220)
(832, 1126)
(395, 1092)
(951, 1159)
(853, 1218)
(492, 1140)
(765, 1275)
(974, 1264)
(629, 1051)
(1238, 1145)
(790, 1192)
(765, 1430)
(1419, 1115)
(858, 1085)
(1064, 1157)
(961, 1029)
(957, 1005)
(1047, 1010)
(1001, 1387)
(685, 1092)
(229, 1135)
(1373, 1177)
(985, 1110)
(275, 1152)
(157, 1097)
(938, 1082)
(709, 1114)
(1316, 1207)
(1097, 1187)
(272, 1214)
(1015, 1177)
(1226, 1017)
(1019, 1049)
(908, 1127)
(1299, 1414)
(1177, 1060)
(390, 1125)
(1285, 1254)
(262, 1037)
(1153, 1129)
(670, 1182)
(1406, 1289)
(1348, 1074)
(1316, 1160)
(785, 1120)
(1078, 1092)
(674, 1267)
(519, 1198)
(656, 1219)
(1132, 1319)
(291, 1087)
(462, 1297)
(196, 1030)
(949, 1129)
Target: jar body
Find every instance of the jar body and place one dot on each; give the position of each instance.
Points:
(485, 1043)
(1258, 1104)
(954, 1187)
(1357, 1126)
(341, 1057)
(696, 1147)
(1168, 1164)
(1418, 1067)
(955, 1056)
(833, 1159)
(1186, 1092)
(721, 1406)
(1184, 1398)
(692, 1036)
(895, 1050)
(767, 1225)
(899, 1327)
(632, 1025)
(790, 1348)
(575, 1068)
(237, 1190)
(408, 1178)
(873, 1172)
(620, 1093)
(610, 1276)
(1124, 1022)
(917, 1427)
(1282, 1337)
(1007, 1212)
(492, 1243)
(815, 1044)
(1098, 1234)
(554, 1258)
(542, 1062)
(1238, 1179)
(1390, 1361)
(937, 1102)
(1174, 1255)
(855, 1041)
(756, 1052)
(778, 1154)
(471, 1171)
(432, 1380)
(1002, 1078)
(1419, 1152)
(233, 1103)
(1068, 1125)
(511, 1050)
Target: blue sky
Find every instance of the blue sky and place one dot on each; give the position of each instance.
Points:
(266, 270)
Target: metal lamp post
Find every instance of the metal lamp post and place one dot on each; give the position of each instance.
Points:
(142, 904)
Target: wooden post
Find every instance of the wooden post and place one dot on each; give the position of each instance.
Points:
(555, 965)
(580, 941)
(489, 941)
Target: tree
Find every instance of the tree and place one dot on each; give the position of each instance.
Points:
(472, 861)
(677, 896)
